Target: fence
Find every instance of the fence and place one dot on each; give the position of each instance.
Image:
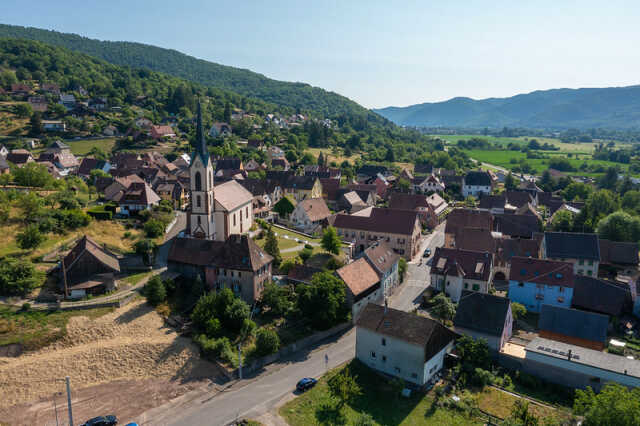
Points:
(292, 348)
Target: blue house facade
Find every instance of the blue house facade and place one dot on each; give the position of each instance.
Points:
(537, 282)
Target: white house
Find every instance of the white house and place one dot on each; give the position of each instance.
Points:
(402, 344)
(308, 214)
(456, 270)
(476, 183)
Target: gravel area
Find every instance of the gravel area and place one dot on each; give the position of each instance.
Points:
(128, 345)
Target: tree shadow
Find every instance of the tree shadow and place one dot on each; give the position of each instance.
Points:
(133, 314)
(330, 414)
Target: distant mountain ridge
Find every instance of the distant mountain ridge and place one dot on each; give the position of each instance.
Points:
(610, 107)
(172, 62)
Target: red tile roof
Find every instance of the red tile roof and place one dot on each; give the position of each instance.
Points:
(359, 276)
(381, 220)
(541, 271)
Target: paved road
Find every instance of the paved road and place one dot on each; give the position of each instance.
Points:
(260, 395)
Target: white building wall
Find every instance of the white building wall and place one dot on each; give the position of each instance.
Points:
(604, 375)
(436, 363)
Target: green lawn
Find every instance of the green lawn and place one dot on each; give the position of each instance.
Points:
(503, 159)
(316, 407)
(134, 279)
(82, 147)
(36, 329)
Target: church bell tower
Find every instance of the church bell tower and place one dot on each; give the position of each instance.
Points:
(201, 213)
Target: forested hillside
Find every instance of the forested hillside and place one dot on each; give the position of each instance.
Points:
(295, 95)
(608, 108)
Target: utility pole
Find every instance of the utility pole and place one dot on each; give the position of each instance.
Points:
(239, 362)
(55, 406)
(69, 400)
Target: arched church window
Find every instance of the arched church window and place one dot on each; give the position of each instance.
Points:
(198, 182)
(198, 201)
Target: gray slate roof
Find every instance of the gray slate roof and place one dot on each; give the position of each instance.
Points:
(482, 312)
(602, 296)
(407, 327)
(580, 355)
(569, 245)
(477, 178)
(574, 323)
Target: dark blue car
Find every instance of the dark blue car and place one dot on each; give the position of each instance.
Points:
(102, 421)
(306, 383)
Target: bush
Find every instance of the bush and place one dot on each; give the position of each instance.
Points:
(18, 277)
(26, 307)
(153, 228)
(30, 238)
(267, 342)
(99, 213)
(305, 254)
(308, 246)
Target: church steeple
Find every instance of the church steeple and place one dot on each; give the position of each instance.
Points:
(201, 144)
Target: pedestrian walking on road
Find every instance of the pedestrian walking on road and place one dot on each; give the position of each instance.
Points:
(326, 361)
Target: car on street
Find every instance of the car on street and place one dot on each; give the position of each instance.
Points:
(427, 253)
(306, 383)
(102, 421)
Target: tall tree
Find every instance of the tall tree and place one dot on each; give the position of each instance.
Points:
(344, 387)
(323, 301)
(510, 183)
(36, 123)
(330, 240)
(271, 247)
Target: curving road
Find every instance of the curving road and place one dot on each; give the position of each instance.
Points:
(256, 396)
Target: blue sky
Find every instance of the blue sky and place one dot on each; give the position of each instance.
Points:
(378, 53)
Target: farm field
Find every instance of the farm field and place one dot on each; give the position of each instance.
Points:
(504, 158)
(586, 148)
(82, 147)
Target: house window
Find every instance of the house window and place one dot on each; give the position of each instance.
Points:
(466, 285)
(476, 287)
(561, 289)
(384, 358)
(580, 272)
(224, 272)
(591, 263)
(198, 219)
(231, 274)
(581, 262)
(234, 219)
(246, 212)
(589, 272)
(414, 375)
(373, 354)
(236, 288)
(384, 342)
(520, 284)
(397, 369)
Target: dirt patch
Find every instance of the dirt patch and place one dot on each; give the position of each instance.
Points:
(123, 349)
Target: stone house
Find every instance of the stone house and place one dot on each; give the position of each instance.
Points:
(399, 228)
(237, 263)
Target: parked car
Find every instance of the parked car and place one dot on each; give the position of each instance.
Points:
(427, 253)
(102, 421)
(306, 383)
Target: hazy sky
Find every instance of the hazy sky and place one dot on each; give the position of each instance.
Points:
(378, 53)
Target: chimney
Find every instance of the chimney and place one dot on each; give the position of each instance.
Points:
(569, 355)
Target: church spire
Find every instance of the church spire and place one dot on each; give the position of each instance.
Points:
(201, 144)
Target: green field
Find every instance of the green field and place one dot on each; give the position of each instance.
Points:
(503, 159)
(585, 148)
(82, 147)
